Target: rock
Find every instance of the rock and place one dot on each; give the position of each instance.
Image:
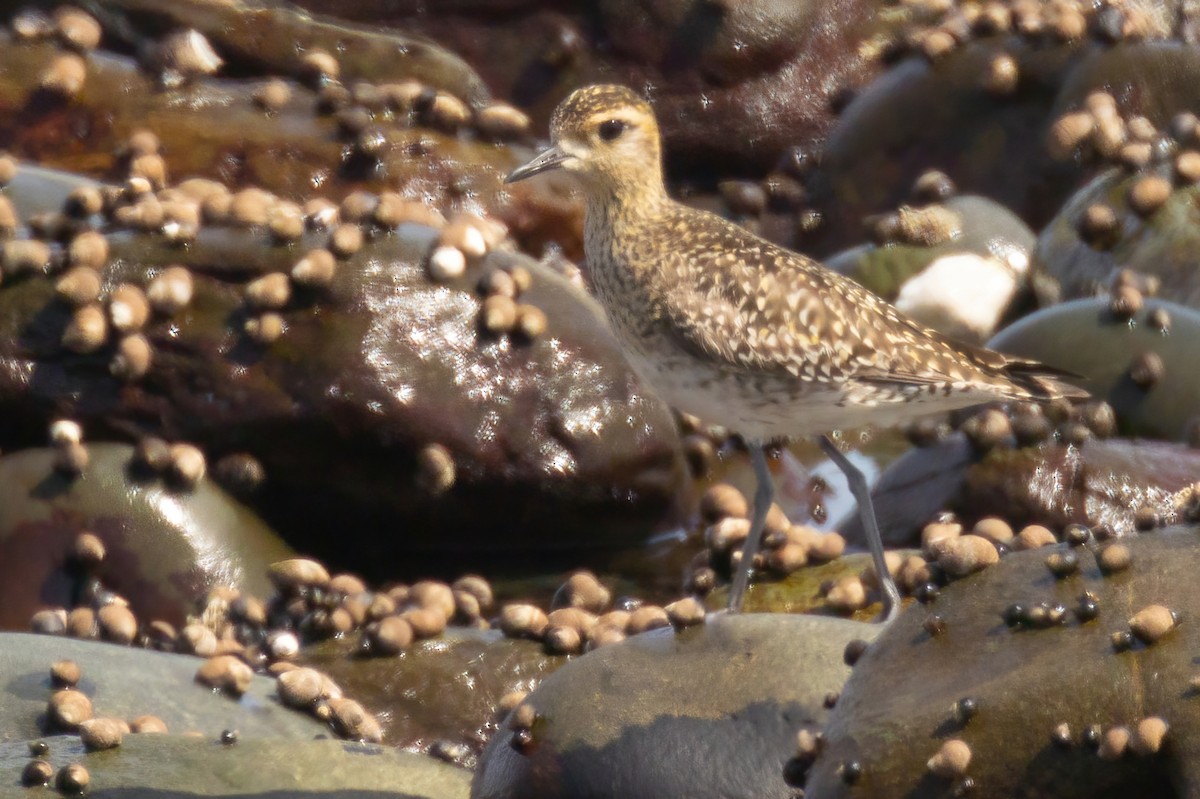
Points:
(441, 690)
(128, 683)
(180, 767)
(900, 702)
(919, 115)
(1103, 483)
(1160, 245)
(710, 711)
(730, 82)
(961, 287)
(368, 372)
(163, 548)
(1085, 337)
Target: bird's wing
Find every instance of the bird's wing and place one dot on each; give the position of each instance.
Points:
(767, 309)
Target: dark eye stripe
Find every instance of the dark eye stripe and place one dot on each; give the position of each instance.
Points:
(612, 128)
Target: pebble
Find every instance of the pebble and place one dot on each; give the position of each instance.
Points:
(646, 618)
(294, 573)
(727, 533)
(1034, 536)
(435, 469)
(266, 328)
(319, 66)
(563, 640)
(49, 621)
(966, 555)
(847, 595)
(1152, 622)
(78, 286)
(269, 292)
(64, 75)
(1114, 558)
(65, 673)
(25, 256)
(102, 733)
(300, 688)
(501, 122)
(117, 624)
(188, 54)
(8, 216)
(68, 708)
(1148, 736)
(582, 590)
(951, 760)
(446, 264)
(87, 549)
(71, 459)
(226, 673)
(196, 639)
(519, 620)
(187, 465)
(1148, 194)
(148, 725)
(936, 536)
(1147, 370)
(1113, 743)
(87, 330)
(73, 779)
(37, 772)
(345, 240)
(128, 308)
(686, 612)
(477, 587)
(352, 721)
(1098, 226)
(273, 95)
(81, 623)
(89, 248)
(531, 322)
(315, 270)
(1068, 132)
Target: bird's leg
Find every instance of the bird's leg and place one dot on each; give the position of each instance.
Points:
(866, 511)
(764, 492)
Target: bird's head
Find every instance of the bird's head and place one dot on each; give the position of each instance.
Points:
(606, 135)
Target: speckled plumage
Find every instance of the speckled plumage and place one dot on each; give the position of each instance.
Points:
(741, 332)
(737, 330)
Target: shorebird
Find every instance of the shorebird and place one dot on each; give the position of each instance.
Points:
(736, 330)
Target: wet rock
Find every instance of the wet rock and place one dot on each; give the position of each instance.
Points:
(443, 689)
(900, 701)
(919, 115)
(726, 78)
(1086, 338)
(1100, 484)
(1069, 264)
(625, 720)
(162, 548)
(282, 152)
(365, 375)
(961, 286)
(128, 683)
(275, 39)
(181, 766)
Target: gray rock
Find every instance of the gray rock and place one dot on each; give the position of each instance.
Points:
(180, 767)
(127, 683)
(899, 706)
(1083, 337)
(708, 712)
(164, 547)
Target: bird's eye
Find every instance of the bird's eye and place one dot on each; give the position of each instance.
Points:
(613, 128)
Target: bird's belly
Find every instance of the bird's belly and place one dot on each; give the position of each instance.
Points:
(762, 407)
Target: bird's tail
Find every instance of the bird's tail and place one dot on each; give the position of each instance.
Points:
(1041, 381)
